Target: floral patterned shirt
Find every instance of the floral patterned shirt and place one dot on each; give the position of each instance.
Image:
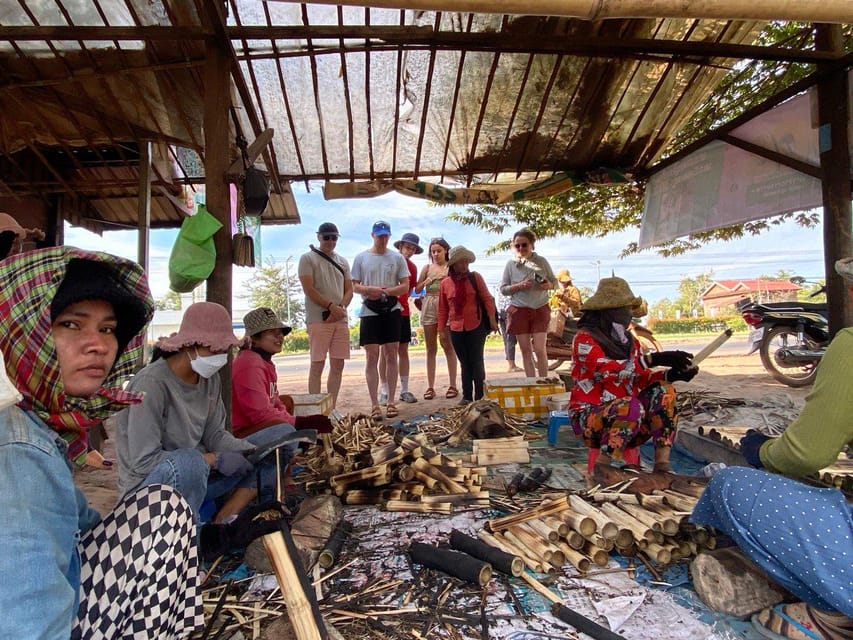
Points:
(598, 379)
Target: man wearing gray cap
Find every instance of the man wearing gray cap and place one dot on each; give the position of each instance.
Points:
(327, 283)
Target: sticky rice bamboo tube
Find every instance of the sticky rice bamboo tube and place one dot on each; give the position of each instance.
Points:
(584, 525)
(546, 508)
(504, 562)
(678, 501)
(612, 496)
(459, 565)
(628, 552)
(404, 473)
(457, 498)
(356, 476)
(606, 527)
(536, 547)
(480, 446)
(669, 526)
(522, 457)
(551, 553)
(664, 510)
(604, 543)
(425, 467)
(499, 441)
(712, 346)
(428, 481)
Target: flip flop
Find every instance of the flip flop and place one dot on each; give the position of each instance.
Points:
(429, 394)
(452, 392)
(391, 411)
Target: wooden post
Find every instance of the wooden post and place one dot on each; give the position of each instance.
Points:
(217, 101)
(833, 115)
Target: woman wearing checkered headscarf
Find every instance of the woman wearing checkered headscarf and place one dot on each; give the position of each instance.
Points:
(71, 329)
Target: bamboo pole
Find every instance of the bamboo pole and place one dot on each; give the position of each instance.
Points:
(577, 559)
(669, 526)
(504, 457)
(584, 525)
(546, 508)
(605, 525)
(543, 548)
(507, 545)
(524, 545)
(418, 507)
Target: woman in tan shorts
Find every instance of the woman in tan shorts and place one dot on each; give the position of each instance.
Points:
(430, 282)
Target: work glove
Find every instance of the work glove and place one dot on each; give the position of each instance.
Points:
(229, 463)
(216, 539)
(317, 421)
(750, 445)
(682, 374)
(674, 359)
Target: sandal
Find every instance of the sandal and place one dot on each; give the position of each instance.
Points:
(376, 413)
(391, 411)
(452, 392)
(429, 394)
(796, 621)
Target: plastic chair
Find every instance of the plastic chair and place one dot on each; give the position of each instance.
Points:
(556, 419)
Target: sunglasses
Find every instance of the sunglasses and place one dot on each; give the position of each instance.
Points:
(330, 236)
(521, 245)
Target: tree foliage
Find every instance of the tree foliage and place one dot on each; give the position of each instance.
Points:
(274, 287)
(169, 302)
(595, 211)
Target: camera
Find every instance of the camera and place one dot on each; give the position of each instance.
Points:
(538, 279)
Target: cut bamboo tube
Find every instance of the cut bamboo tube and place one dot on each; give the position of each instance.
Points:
(677, 501)
(575, 540)
(458, 565)
(604, 543)
(428, 481)
(606, 527)
(657, 553)
(555, 523)
(546, 508)
(500, 560)
(584, 525)
(522, 457)
(423, 466)
(642, 515)
(574, 557)
(612, 496)
(598, 555)
(638, 529)
(534, 548)
(498, 441)
(628, 552)
(456, 498)
(507, 545)
(549, 552)
(537, 526)
(333, 547)
(418, 507)
(404, 473)
(669, 526)
(295, 588)
(369, 473)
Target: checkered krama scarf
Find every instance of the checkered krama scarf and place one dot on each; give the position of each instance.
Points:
(28, 283)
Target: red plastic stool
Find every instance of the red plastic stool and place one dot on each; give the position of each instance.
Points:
(630, 456)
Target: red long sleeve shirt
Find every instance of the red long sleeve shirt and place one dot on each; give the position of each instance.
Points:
(255, 404)
(467, 318)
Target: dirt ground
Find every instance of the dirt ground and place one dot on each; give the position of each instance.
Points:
(730, 376)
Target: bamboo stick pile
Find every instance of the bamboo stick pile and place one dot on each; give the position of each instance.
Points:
(582, 532)
(406, 475)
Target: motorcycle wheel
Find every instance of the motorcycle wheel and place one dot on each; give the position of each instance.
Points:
(778, 338)
(647, 340)
(555, 364)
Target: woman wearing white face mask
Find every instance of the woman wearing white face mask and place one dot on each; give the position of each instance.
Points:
(177, 435)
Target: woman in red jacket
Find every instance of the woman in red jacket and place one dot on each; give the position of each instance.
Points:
(467, 307)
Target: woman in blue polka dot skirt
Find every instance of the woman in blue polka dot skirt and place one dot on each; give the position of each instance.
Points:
(802, 536)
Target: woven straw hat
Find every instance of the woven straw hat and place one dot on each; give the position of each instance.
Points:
(844, 268)
(563, 275)
(612, 293)
(459, 253)
(205, 324)
(261, 319)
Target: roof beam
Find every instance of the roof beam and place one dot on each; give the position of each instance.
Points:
(834, 11)
(427, 37)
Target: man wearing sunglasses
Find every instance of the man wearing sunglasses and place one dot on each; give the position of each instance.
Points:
(327, 283)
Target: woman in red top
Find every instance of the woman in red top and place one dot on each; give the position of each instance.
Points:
(618, 401)
(462, 299)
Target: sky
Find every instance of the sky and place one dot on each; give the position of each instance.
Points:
(787, 247)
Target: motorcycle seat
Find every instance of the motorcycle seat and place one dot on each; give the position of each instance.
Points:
(793, 306)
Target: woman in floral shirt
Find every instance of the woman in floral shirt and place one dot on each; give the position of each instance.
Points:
(618, 400)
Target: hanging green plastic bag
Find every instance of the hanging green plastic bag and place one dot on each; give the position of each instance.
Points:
(193, 256)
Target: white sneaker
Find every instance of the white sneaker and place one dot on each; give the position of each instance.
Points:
(383, 397)
(408, 396)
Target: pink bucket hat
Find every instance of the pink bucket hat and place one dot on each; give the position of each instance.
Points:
(205, 324)
(8, 223)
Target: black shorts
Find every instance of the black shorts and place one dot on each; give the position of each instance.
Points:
(380, 329)
(405, 329)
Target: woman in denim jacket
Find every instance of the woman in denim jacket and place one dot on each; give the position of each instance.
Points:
(71, 329)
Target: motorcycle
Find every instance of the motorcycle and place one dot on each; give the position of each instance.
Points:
(790, 337)
(558, 346)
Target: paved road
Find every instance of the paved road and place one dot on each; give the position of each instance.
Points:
(296, 366)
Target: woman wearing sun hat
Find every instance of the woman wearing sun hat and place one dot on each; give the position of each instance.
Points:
(618, 401)
(801, 535)
(72, 324)
(466, 306)
(178, 436)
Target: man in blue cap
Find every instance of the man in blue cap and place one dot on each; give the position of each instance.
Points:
(408, 246)
(379, 276)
